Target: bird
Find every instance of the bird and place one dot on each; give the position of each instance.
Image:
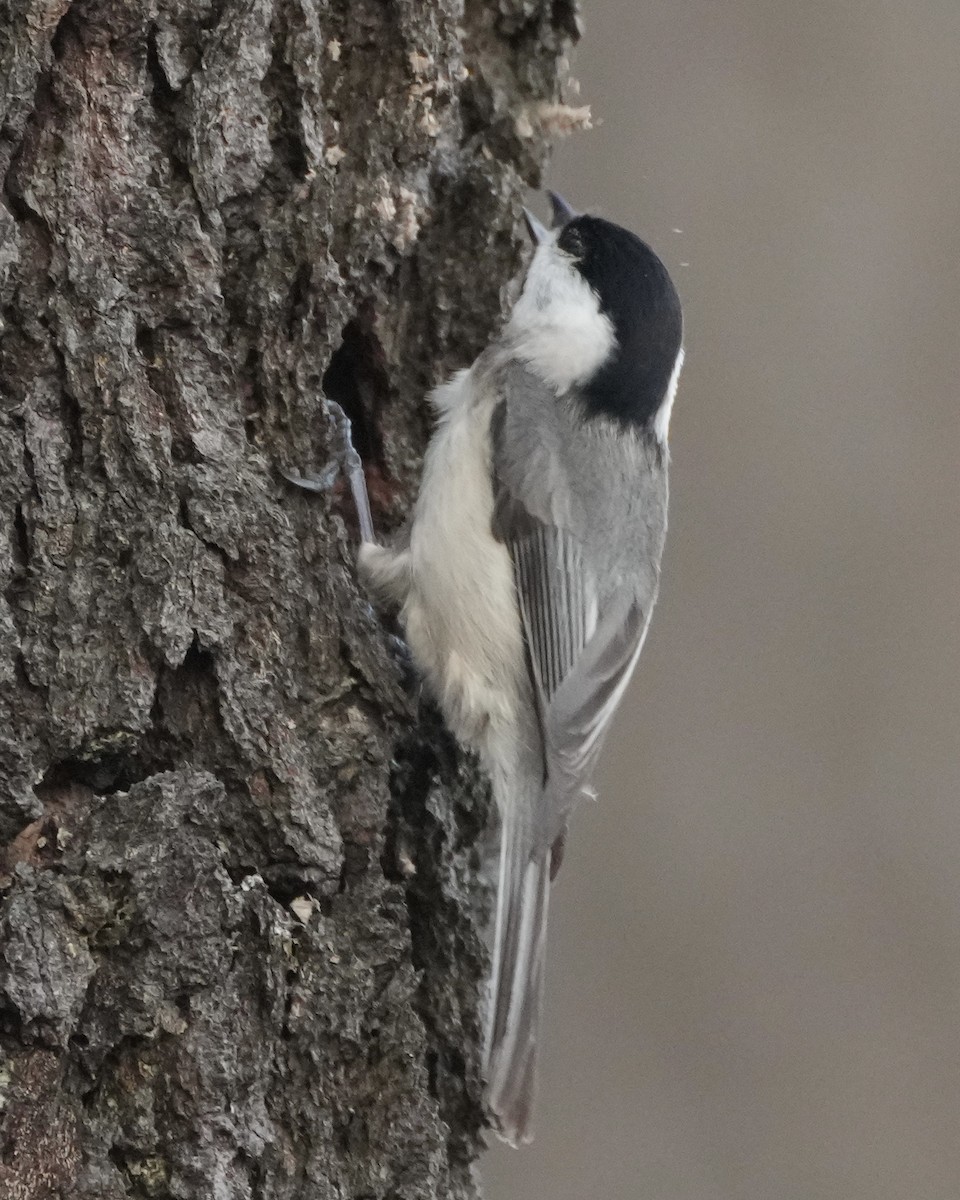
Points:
(526, 578)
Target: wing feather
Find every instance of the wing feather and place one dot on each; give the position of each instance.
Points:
(582, 647)
(552, 589)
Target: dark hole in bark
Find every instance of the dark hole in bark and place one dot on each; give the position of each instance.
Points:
(357, 380)
(146, 343)
(287, 881)
(68, 24)
(21, 538)
(163, 93)
(102, 771)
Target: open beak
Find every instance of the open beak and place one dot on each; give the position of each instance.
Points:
(562, 213)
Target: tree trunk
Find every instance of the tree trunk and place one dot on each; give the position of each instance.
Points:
(242, 919)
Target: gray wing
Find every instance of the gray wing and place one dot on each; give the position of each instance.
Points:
(582, 646)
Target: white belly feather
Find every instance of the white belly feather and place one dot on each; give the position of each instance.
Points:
(460, 615)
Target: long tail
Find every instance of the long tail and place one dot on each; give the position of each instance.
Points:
(516, 985)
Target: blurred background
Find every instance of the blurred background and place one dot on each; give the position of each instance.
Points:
(754, 967)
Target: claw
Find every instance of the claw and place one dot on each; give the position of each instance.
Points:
(315, 481)
(345, 459)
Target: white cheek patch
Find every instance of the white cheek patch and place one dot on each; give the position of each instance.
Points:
(556, 325)
(661, 422)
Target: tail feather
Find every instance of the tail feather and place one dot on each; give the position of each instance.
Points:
(516, 989)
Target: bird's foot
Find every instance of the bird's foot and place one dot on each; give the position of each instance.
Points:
(345, 459)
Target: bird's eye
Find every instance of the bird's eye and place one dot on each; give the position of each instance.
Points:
(572, 242)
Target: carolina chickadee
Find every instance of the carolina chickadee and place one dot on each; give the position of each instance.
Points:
(528, 574)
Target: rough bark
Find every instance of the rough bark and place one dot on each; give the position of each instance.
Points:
(241, 918)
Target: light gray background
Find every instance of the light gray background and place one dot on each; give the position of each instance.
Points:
(754, 983)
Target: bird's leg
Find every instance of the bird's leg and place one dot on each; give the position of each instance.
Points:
(382, 568)
(345, 458)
